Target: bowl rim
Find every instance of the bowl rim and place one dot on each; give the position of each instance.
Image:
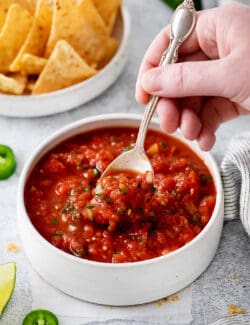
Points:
(121, 49)
(22, 213)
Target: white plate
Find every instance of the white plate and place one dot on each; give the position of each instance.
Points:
(71, 97)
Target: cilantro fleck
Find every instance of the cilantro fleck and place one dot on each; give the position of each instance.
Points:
(206, 178)
(90, 207)
(106, 198)
(163, 144)
(69, 206)
(75, 215)
(129, 147)
(55, 221)
(81, 252)
(196, 218)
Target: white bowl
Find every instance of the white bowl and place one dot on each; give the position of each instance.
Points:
(123, 283)
(73, 96)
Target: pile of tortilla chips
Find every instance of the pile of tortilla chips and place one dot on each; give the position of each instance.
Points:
(46, 45)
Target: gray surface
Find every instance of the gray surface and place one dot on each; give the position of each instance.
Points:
(215, 289)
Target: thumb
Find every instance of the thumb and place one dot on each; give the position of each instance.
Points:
(200, 78)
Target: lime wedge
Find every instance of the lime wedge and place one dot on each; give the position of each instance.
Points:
(7, 283)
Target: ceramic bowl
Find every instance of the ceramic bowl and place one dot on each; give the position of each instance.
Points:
(122, 283)
(71, 97)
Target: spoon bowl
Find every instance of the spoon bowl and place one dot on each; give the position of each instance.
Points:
(136, 160)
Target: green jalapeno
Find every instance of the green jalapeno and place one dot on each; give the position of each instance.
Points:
(175, 3)
(7, 162)
(40, 317)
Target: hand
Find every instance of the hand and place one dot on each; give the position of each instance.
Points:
(210, 84)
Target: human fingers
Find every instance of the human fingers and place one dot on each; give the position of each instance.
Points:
(190, 123)
(214, 112)
(196, 120)
(169, 114)
(196, 56)
(183, 113)
(153, 56)
(143, 97)
(151, 59)
(160, 44)
(203, 78)
(189, 107)
(206, 139)
(204, 38)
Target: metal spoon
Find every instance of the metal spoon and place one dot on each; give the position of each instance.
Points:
(136, 159)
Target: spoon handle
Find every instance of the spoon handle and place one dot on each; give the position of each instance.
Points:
(170, 56)
(167, 58)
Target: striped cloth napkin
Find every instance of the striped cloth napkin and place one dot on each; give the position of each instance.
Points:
(234, 320)
(235, 171)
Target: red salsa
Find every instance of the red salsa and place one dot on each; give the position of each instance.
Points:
(125, 217)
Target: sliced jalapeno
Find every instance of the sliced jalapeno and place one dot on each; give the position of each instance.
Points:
(174, 3)
(40, 317)
(7, 162)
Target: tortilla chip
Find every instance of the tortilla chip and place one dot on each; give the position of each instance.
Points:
(29, 4)
(5, 4)
(63, 69)
(12, 85)
(86, 32)
(14, 32)
(32, 64)
(108, 11)
(36, 40)
(30, 86)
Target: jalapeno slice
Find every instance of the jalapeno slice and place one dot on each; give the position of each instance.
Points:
(174, 3)
(7, 162)
(40, 317)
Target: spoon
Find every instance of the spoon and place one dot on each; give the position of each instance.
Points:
(136, 159)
